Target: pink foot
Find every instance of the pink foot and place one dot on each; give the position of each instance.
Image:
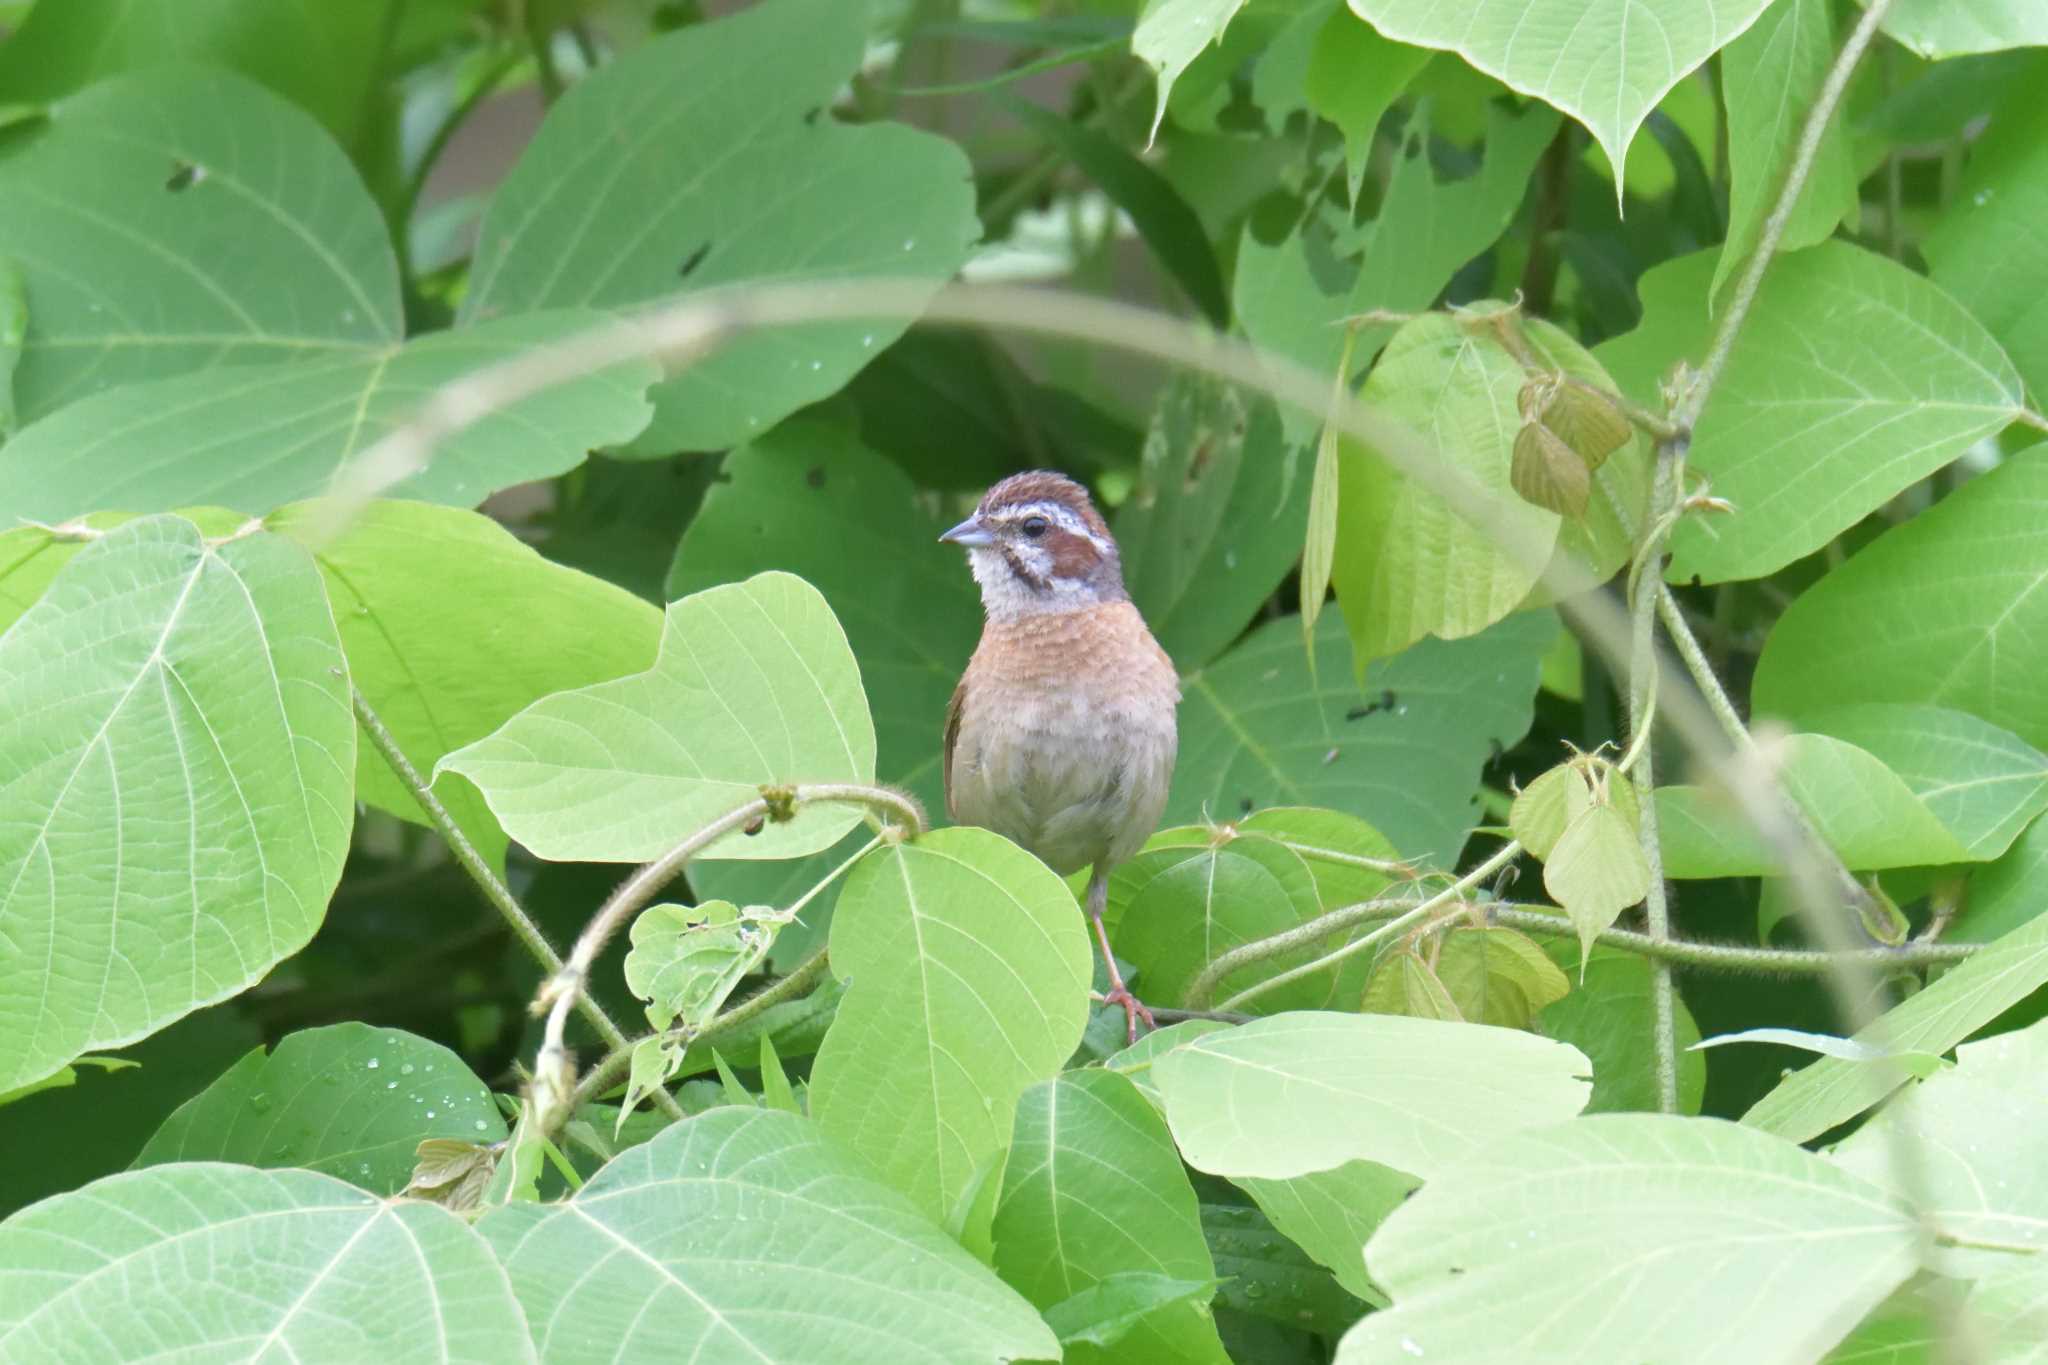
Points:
(1134, 1009)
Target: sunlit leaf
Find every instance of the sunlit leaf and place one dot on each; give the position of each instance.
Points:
(1308, 1091)
(1607, 63)
(335, 1274)
(1944, 28)
(744, 1233)
(1353, 76)
(1515, 1252)
(754, 684)
(967, 963)
(1985, 250)
(1818, 1097)
(1498, 976)
(685, 960)
(176, 767)
(1597, 870)
(1171, 33)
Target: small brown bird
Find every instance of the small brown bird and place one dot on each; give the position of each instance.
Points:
(1061, 734)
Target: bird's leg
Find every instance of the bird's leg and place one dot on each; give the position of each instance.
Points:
(1119, 994)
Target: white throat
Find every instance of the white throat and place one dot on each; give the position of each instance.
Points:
(1005, 597)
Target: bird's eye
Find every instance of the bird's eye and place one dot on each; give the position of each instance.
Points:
(1035, 527)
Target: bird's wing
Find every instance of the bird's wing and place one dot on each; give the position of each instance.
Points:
(953, 710)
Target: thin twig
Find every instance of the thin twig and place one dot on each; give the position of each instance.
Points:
(1258, 951)
(495, 891)
(1732, 957)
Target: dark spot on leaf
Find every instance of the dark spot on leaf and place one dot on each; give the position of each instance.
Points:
(815, 476)
(1385, 703)
(1244, 804)
(754, 825)
(693, 260)
(1198, 463)
(184, 175)
(811, 114)
(1456, 1269)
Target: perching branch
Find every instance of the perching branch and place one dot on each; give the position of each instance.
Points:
(554, 1084)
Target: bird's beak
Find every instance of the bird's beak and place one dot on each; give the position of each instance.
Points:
(970, 534)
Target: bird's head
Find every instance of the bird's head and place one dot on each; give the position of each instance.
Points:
(1037, 545)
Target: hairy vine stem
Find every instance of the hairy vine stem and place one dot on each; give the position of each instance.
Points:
(495, 891)
(1204, 986)
(554, 1086)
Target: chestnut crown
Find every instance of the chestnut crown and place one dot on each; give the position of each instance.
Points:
(1036, 544)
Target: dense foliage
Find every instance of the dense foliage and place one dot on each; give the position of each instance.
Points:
(454, 450)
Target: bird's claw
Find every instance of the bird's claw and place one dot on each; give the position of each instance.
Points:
(1134, 1010)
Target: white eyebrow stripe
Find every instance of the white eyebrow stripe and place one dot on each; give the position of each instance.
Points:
(1059, 514)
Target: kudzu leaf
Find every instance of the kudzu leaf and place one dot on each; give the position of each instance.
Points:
(709, 181)
(119, 206)
(347, 1099)
(1489, 1260)
(1498, 976)
(176, 777)
(1106, 1312)
(685, 960)
(1920, 1064)
(452, 1173)
(1948, 28)
(1586, 422)
(1354, 76)
(1607, 63)
(1549, 473)
(1402, 983)
(1540, 812)
(1597, 870)
(344, 1275)
(1170, 34)
(754, 685)
(653, 1064)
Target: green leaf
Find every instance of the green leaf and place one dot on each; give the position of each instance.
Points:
(65, 1076)
(1983, 783)
(1170, 34)
(1985, 249)
(1597, 870)
(1331, 1214)
(1308, 1091)
(1107, 1312)
(1966, 574)
(405, 579)
(348, 1100)
(121, 203)
(13, 331)
(1770, 77)
(1498, 976)
(745, 1233)
(2006, 894)
(1920, 1064)
(754, 684)
(1267, 1276)
(1607, 63)
(685, 961)
(1409, 565)
(1289, 296)
(1863, 810)
(1403, 752)
(1609, 1017)
(816, 501)
(320, 57)
(1148, 198)
(175, 785)
(1211, 527)
(967, 965)
(1955, 1005)
(1136, 1060)
(344, 1275)
(1193, 894)
(1402, 983)
(1542, 809)
(1093, 1192)
(1946, 28)
(707, 181)
(1354, 75)
(253, 437)
(1852, 379)
(1526, 1240)
(1981, 1122)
